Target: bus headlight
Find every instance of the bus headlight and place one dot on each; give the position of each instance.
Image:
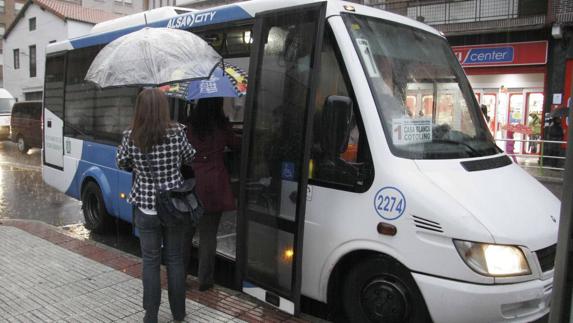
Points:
(492, 259)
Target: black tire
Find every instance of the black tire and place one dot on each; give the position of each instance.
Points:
(22, 145)
(96, 217)
(382, 290)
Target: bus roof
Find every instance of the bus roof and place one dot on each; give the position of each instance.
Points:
(184, 18)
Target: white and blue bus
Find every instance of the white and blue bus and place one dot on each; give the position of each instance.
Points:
(367, 178)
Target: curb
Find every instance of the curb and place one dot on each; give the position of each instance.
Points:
(230, 302)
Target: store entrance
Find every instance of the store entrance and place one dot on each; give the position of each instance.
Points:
(514, 117)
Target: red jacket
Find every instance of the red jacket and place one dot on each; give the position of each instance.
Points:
(213, 183)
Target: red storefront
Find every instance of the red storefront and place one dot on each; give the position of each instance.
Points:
(509, 79)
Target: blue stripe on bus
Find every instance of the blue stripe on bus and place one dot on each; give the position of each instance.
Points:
(185, 21)
(98, 163)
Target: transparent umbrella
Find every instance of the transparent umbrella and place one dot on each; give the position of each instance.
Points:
(153, 57)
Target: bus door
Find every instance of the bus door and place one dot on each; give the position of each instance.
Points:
(53, 112)
(276, 147)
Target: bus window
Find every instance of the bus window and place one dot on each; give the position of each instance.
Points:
(350, 168)
(91, 113)
(54, 88)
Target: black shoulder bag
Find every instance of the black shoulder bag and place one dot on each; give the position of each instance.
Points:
(179, 206)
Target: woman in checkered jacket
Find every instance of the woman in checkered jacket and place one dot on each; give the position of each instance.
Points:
(154, 141)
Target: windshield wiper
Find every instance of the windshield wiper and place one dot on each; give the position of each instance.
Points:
(474, 152)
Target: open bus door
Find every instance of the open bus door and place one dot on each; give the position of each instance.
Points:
(276, 147)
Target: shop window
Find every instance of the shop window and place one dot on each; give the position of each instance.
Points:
(489, 100)
(411, 105)
(427, 105)
(349, 165)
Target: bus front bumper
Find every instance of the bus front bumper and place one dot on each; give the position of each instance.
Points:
(455, 301)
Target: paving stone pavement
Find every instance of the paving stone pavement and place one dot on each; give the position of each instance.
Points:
(46, 276)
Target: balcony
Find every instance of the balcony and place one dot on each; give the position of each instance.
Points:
(470, 16)
(563, 11)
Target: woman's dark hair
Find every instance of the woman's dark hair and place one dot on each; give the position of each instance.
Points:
(208, 116)
(151, 119)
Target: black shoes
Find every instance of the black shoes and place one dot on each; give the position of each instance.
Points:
(205, 287)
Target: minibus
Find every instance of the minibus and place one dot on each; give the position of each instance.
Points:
(348, 193)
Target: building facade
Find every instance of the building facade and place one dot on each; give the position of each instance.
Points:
(8, 11)
(39, 23)
(122, 7)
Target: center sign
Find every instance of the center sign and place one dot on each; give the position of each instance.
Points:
(507, 54)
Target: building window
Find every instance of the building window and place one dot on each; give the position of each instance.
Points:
(32, 23)
(53, 41)
(33, 96)
(2, 3)
(33, 61)
(17, 7)
(128, 2)
(2, 29)
(16, 58)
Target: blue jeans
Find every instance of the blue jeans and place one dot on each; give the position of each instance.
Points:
(151, 236)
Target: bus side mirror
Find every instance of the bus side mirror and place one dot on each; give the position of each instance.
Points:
(336, 125)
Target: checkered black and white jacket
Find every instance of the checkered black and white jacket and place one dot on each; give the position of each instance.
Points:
(166, 159)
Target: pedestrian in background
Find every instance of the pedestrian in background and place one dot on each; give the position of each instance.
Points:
(210, 132)
(554, 133)
(154, 149)
(535, 126)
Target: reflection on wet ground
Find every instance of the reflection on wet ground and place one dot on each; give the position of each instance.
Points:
(23, 194)
(121, 236)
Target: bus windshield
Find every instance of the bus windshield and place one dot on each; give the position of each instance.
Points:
(424, 101)
(6, 105)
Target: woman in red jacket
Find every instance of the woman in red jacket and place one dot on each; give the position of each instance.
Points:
(209, 133)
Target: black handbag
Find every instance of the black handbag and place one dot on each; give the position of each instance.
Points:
(179, 206)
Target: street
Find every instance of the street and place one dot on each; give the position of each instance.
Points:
(24, 195)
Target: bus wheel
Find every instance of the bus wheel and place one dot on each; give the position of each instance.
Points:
(22, 145)
(96, 217)
(382, 290)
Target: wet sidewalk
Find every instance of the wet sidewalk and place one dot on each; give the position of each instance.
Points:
(47, 276)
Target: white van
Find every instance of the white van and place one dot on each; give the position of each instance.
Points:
(349, 193)
(6, 103)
